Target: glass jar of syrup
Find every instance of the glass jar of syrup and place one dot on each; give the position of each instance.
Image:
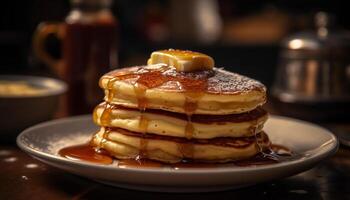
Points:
(88, 37)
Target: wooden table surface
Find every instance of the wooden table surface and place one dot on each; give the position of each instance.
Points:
(22, 177)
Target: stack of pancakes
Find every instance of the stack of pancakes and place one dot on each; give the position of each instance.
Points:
(159, 113)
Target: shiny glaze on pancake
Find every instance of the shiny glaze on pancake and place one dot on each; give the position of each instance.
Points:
(241, 142)
(197, 118)
(216, 81)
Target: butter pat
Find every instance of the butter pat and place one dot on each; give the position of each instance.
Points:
(183, 61)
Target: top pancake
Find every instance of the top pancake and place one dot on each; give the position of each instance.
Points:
(201, 92)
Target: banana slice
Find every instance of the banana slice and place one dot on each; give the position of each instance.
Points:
(183, 61)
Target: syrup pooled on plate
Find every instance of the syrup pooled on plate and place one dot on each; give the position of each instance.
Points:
(85, 152)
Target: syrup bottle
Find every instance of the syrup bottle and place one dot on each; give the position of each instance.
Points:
(88, 37)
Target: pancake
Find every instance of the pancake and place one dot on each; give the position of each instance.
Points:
(174, 124)
(212, 92)
(124, 144)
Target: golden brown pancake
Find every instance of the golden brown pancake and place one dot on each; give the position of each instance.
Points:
(176, 124)
(213, 92)
(124, 144)
(163, 113)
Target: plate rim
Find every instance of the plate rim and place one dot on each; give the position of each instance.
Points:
(332, 149)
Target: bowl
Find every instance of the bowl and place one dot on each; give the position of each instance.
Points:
(27, 100)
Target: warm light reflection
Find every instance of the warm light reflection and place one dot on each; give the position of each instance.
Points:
(303, 44)
(10, 159)
(296, 44)
(31, 165)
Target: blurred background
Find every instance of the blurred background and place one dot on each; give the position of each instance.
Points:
(242, 35)
(245, 36)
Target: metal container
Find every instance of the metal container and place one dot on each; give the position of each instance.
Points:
(22, 111)
(314, 72)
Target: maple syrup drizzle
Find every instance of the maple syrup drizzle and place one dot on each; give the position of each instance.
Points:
(190, 107)
(189, 129)
(187, 149)
(104, 137)
(95, 115)
(258, 141)
(143, 148)
(193, 93)
(111, 81)
(143, 124)
(86, 152)
(111, 90)
(140, 91)
(105, 118)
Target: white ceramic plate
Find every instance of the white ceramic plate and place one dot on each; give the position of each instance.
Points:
(43, 142)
